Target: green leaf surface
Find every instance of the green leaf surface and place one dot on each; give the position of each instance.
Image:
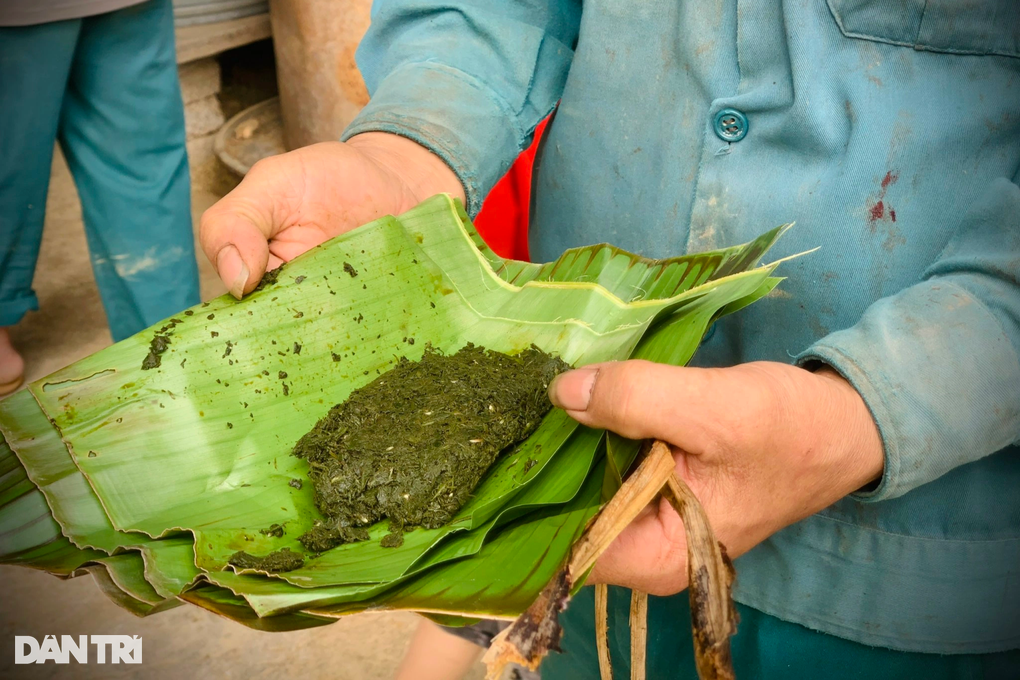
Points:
(168, 471)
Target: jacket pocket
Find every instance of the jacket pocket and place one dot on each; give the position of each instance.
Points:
(953, 26)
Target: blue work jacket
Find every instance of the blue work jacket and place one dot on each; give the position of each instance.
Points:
(890, 132)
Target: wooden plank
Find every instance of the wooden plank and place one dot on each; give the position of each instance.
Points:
(196, 42)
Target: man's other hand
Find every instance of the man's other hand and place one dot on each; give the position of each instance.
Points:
(290, 203)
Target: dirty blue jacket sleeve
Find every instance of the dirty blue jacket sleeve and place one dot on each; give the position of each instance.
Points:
(937, 363)
(469, 79)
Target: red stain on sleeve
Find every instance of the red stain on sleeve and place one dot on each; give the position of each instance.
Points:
(877, 212)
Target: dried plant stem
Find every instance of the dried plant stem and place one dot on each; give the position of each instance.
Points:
(713, 617)
(710, 574)
(537, 630)
(602, 630)
(638, 634)
(634, 496)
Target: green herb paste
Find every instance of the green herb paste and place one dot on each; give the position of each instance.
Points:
(413, 444)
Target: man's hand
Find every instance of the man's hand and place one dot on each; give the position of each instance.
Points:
(290, 203)
(762, 445)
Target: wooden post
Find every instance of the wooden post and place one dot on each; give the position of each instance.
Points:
(321, 89)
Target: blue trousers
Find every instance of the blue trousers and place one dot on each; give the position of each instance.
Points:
(106, 88)
(764, 648)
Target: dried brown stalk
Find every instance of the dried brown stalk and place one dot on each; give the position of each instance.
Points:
(537, 630)
(710, 574)
(602, 630)
(638, 634)
(713, 617)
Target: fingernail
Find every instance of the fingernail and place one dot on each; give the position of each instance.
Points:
(232, 270)
(572, 390)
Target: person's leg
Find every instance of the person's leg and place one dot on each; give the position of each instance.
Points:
(448, 653)
(34, 66)
(122, 130)
(435, 654)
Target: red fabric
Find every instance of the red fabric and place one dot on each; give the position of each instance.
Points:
(503, 219)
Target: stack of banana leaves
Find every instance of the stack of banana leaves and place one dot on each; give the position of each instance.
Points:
(152, 462)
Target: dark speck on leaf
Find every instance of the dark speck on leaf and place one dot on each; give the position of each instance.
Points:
(297, 348)
(283, 375)
(230, 426)
(189, 313)
(336, 357)
(299, 279)
(211, 317)
(157, 347)
(268, 279)
(350, 270)
(214, 334)
(286, 390)
(274, 562)
(92, 454)
(433, 305)
(393, 540)
(274, 530)
(296, 483)
(230, 348)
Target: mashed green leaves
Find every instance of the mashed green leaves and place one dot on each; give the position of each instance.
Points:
(414, 443)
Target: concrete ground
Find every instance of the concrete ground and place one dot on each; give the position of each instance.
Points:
(185, 642)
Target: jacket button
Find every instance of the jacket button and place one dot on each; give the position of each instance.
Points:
(730, 125)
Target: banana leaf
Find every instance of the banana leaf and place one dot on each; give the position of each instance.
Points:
(156, 475)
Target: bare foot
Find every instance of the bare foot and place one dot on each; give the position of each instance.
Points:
(12, 366)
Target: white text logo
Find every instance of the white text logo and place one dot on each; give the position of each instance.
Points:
(116, 648)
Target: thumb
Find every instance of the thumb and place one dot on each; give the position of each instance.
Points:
(235, 233)
(636, 399)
